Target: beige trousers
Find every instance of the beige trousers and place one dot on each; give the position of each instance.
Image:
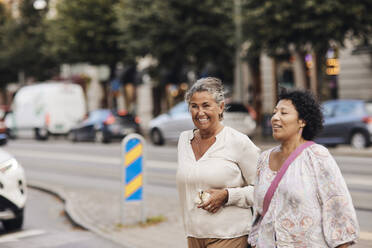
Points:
(239, 242)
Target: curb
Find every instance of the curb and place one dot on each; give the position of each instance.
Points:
(70, 211)
(59, 195)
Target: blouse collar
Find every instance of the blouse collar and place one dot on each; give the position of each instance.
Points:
(218, 135)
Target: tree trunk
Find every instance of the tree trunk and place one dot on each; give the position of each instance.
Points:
(112, 71)
(320, 61)
(109, 95)
(3, 97)
(254, 67)
(301, 78)
(275, 80)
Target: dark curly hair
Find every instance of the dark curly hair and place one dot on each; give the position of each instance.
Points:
(308, 110)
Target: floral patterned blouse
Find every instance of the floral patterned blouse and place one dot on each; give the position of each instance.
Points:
(311, 207)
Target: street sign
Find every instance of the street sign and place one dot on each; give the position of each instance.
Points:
(132, 164)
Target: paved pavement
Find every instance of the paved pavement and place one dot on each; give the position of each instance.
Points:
(99, 212)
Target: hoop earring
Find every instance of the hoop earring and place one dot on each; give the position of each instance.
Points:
(300, 131)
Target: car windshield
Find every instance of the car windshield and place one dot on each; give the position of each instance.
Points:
(98, 116)
(345, 108)
(179, 109)
(369, 108)
(327, 109)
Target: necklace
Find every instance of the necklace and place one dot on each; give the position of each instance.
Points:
(200, 145)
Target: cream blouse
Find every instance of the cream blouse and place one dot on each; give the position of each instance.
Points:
(311, 207)
(230, 163)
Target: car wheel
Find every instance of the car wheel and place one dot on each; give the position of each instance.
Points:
(11, 134)
(359, 140)
(157, 137)
(41, 133)
(72, 136)
(100, 137)
(14, 224)
(3, 142)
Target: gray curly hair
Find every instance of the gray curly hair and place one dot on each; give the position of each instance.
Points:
(210, 84)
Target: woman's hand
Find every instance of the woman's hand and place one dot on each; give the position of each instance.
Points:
(217, 198)
(344, 245)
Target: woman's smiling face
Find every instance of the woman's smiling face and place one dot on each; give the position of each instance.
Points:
(205, 112)
(285, 122)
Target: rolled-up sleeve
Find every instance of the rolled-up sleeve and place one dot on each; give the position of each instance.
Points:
(247, 162)
(340, 223)
(253, 234)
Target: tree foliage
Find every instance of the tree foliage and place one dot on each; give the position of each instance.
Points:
(282, 26)
(22, 39)
(5, 72)
(280, 23)
(85, 31)
(179, 34)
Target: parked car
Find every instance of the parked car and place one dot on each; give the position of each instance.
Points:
(46, 108)
(13, 192)
(347, 121)
(104, 125)
(168, 126)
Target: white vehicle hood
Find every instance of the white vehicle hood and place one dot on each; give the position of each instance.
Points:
(158, 120)
(4, 156)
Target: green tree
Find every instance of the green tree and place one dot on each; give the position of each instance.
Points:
(180, 34)
(22, 39)
(85, 31)
(278, 25)
(6, 74)
(3, 14)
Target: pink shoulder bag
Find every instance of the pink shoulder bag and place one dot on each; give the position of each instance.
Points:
(274, 184)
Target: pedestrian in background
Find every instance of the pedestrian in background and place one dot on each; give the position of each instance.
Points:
(311, 207)
(216, 169)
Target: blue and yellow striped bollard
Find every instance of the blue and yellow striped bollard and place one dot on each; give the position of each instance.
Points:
(133, 170)
(133, 173)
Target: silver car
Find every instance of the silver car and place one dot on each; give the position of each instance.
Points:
(168, 126)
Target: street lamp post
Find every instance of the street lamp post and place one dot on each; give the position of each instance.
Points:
(238, 82)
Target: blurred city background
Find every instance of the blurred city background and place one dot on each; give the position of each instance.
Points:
(98, 70)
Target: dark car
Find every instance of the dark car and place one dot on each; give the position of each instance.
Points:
(347, 121)
(4, 110)
(104, 125)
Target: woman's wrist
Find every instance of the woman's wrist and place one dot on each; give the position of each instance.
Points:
(343, 245)
(226, 196)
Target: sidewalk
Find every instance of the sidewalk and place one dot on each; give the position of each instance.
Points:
(99, 212)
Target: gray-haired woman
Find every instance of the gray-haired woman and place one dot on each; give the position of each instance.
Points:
(216, 167)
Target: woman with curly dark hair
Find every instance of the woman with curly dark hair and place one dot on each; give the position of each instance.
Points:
(301, 198)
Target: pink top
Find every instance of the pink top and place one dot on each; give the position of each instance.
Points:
(311, 207)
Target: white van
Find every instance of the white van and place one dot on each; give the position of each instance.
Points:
(46, 108)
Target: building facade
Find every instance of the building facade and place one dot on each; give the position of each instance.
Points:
(350, 76)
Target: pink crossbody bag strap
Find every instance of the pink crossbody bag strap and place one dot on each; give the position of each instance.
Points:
(274, 184)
